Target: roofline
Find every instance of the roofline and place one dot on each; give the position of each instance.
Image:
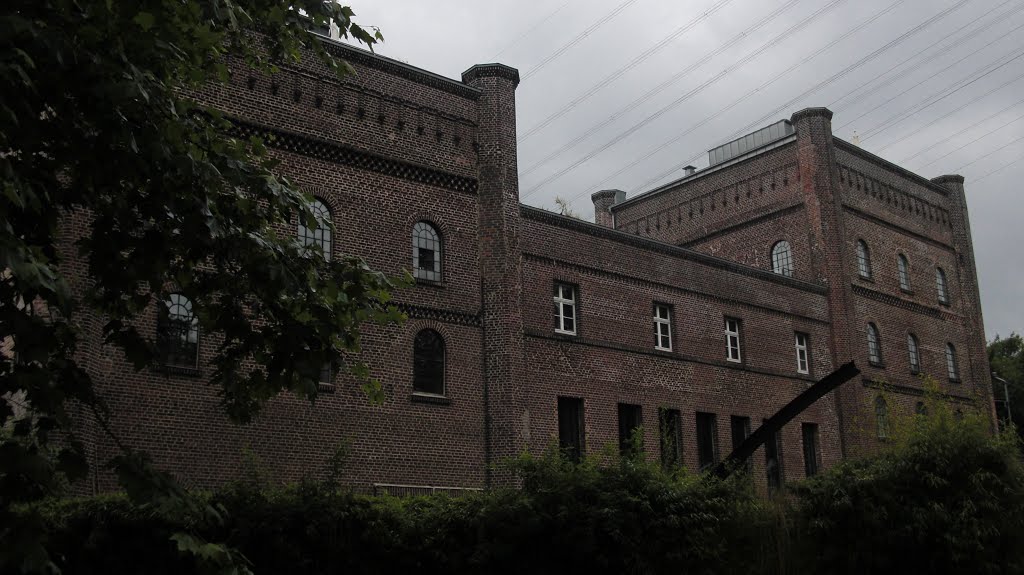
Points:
(596, 230)
(419, 75)
(710, 170)
(903, 171)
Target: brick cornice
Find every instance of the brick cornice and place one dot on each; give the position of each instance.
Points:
(442, 315)
(349, 156)
(602, 232)
(491, 71)
(899, 302)
(362, 57)
(896, 227)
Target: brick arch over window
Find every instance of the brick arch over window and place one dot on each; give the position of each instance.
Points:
(427, 251)
(177, 332)
(429, 352)
(782, 258)
(319, 235)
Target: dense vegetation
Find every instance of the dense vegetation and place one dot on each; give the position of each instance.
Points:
(946, 497)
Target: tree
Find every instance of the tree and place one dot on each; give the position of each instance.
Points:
(564, 208)
(1006, 356)
(97, 132)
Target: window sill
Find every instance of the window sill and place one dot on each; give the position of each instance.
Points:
(907, 291)
(877, 364)
(429, 283)
(566, 334)
(915, 372)
(324, 387)
(955, 380)
(868, 279)
(663, 349)
(432, 398)
(736, 361)
(944, 303)
(178, 370)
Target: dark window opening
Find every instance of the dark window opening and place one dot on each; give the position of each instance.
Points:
(740, 432)
(773, 461)
(670, 427)
(570, 427)
(707, 440)
(810, 435)
(428, 363)
(177, 333)
(630, 420)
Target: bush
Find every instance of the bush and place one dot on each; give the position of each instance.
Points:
(945, 498)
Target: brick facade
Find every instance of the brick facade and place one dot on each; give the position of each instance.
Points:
(394, 145)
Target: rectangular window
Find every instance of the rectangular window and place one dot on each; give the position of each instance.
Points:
(662, 327)
(773, 461)
(810, 435)
(565, 308)
(630, 420)
(570, 427)
(707, 440)
(803, 364)
(670, 428)
(740, 431)
(732, 339)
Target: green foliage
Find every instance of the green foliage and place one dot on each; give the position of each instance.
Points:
(945, 497)
(1006, 356)
(98, 134)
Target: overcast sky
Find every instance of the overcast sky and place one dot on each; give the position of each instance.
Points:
(624, 93)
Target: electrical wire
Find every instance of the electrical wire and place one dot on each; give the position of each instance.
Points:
(999, 169)
(657, 89)
(532, 29)
(725, 72)
(988, 154)
(985, 135)
(657, 47)
(940, 142)
(579, 38)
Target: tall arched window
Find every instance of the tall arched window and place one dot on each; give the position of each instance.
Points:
(319, 235)
(782, 259)
(863, 259)
(426, 252)
(882, 417)
(874, 345)
(428, 363)
(915, 355)
(904, 271)
(952, 369)
(177, 333)
(941, 287)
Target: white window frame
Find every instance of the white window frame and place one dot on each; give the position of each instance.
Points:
(662, 327)
(803, 360)
(561, 303)
(732, 340)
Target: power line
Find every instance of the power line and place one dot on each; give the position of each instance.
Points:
(951, 112)
(931, 76)
(914, 110)
(988, 154)
(996, 19)
(579, 38)
(657, 89)
(765, 47)
(940, 142)
(532, 29)
(999, 169)
(629, 66)
(895, 42)
(985, 135)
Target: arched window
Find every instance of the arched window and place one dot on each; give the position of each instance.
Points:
(921, 408)
(863, 259)
(951, 365)
(428, 363)
(940, 286)
(882, 417)
(177, 333)
(874, 345)
(426, 252)
(915, 355)
(782, 259)
(320, 235)
(904, 271)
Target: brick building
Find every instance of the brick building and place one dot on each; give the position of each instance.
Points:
(693, 311)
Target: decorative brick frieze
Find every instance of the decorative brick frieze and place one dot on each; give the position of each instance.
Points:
(896, 301)
(442, 315)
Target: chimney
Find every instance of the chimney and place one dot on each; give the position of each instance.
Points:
(689, 171)
(603, 202)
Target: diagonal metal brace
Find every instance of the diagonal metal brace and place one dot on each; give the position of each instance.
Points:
(773, 424)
